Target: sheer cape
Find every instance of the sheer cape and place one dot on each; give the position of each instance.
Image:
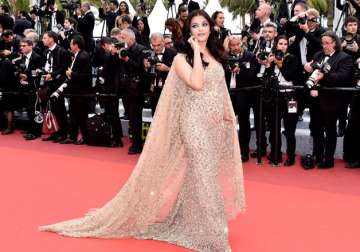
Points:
(151, 191)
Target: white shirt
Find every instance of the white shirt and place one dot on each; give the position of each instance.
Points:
(27, 59)
(49, 64)
(72, 64)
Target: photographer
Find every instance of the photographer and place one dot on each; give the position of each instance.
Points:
(113, 79)
(27, 66)
(67, 32)
(57, 60)
(241, 72)
(6, 21)
(132, 68)
(285, 69)
(355, 4)
(125, 23)
(157, 66)
(79, 82)
(263, 51)
(331, 68)
(9, 45)
(108, 12)
(86, 23)
(350, 44)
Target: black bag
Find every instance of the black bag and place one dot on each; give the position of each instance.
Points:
(100, 132)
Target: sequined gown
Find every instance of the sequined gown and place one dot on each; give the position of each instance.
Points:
(188, 180)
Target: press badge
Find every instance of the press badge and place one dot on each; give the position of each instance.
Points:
(292, 107)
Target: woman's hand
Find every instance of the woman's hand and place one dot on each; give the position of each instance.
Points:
(194, 44)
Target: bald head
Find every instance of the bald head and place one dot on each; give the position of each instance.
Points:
(263, 12)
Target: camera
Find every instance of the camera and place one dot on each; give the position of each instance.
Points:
(279, 55)
(299, 20)
(318, 68)
(121, 46)
(151, 57)
(349, 38)
(265, 49)
(60, 28)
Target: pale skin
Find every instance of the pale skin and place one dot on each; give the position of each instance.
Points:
(194, 76)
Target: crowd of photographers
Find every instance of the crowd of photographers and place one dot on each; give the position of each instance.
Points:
(288, 60)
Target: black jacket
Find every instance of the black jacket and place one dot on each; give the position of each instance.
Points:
(61, 62)
(81, 76)
(340, 75)
(246, 77)
(167, 59)
(86, 28)
(35, 63)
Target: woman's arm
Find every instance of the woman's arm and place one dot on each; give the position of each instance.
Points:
(192, 76)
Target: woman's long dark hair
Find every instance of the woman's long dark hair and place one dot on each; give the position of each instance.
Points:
(213, 44)
(127, 7)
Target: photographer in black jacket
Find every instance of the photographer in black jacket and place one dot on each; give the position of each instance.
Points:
(157, 65)
(56, 61)
(79, 82)
(286, 72)
(113, 79)
(132, 71)
(331, 68)
(27, 66)
(241, 72)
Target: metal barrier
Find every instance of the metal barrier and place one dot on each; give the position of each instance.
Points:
(276, 89)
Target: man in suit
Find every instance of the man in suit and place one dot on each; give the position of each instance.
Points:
(339, 73)
(86, 23)
(79, 82)
(132, 68)
(164, 57)
(241, 72)
(67, 33)
(109, 13)
(56, 61)
(30, 61)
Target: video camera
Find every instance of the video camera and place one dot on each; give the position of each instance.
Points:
(318, 68)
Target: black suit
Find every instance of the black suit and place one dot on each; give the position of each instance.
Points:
(331, 103)
(133, 98)
(35, 62)
(60, 63)
(86, 28)
(69, 34)
(79, 83)
(167, 59)
(245, 100)
(112, 85)
(290, 70)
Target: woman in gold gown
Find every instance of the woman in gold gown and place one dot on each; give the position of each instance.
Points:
(188, 180)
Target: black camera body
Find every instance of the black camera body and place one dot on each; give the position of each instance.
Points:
(349, 38)
(264, 49)
(234, 61)
(123, 50)
(302, 20)
(151, 57)
(279, 55)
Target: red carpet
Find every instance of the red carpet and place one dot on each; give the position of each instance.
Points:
(289, 209)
